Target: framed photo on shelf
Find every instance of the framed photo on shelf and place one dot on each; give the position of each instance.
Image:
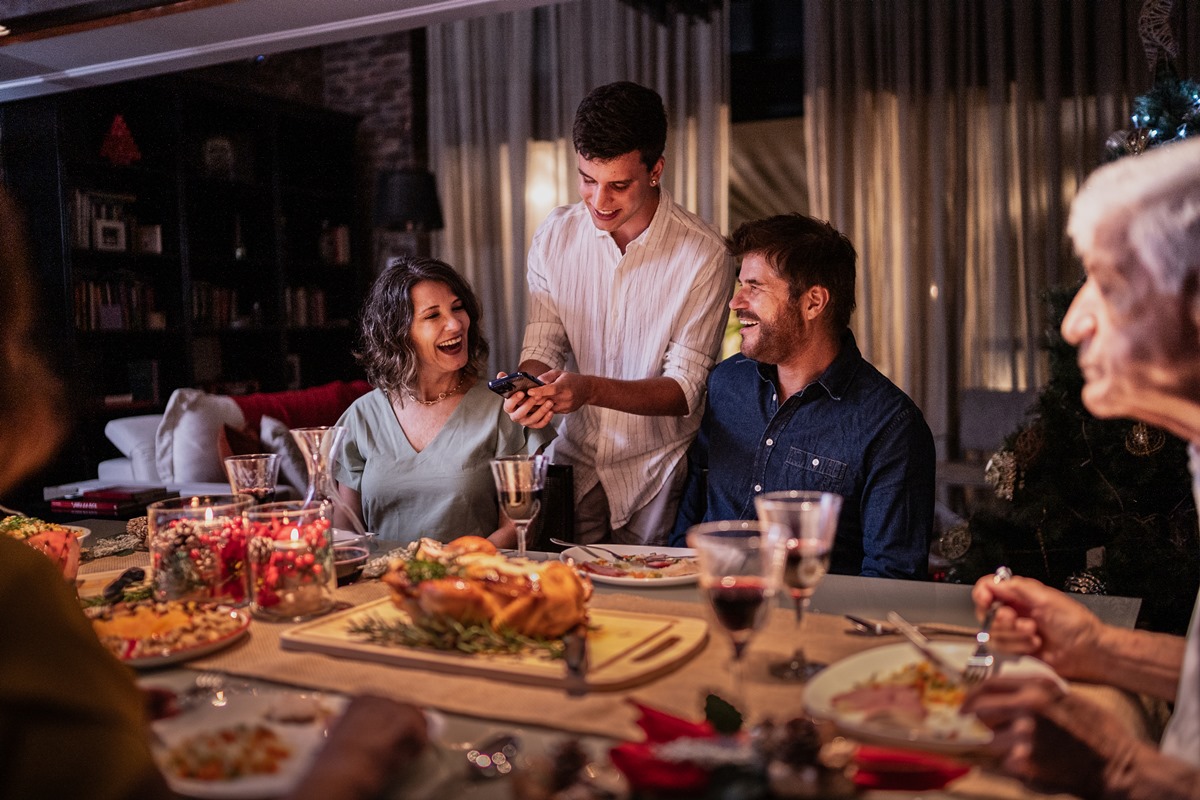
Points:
(108, 235)
(149, 239)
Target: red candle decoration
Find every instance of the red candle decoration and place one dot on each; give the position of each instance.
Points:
(291, 561)
(198, 549)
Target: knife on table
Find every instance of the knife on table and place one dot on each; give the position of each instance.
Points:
(918, 640)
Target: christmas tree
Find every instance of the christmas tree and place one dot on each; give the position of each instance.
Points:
(1066, 482)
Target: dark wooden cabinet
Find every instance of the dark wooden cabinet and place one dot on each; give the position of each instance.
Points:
(187, 235)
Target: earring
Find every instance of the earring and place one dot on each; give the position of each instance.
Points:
(653, 182)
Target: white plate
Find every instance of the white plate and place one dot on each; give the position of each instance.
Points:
(579, 555)
(81, 533)
(178, 654)
(303, 739)
(959, 734)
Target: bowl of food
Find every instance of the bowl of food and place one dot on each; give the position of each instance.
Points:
(348, 561)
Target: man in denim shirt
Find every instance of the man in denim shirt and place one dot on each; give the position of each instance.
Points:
(841, 426)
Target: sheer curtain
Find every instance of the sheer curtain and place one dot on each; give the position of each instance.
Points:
(502, 96)
(946, 138)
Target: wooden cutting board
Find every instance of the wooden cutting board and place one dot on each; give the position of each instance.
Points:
(624, 648)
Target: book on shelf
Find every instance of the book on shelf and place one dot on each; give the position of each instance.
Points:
(97, 507)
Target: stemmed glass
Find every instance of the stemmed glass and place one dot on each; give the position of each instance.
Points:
(519, 482)
(802, 525)
(321, 446)
(736, 575)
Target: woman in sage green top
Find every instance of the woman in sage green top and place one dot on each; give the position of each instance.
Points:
(416, 455)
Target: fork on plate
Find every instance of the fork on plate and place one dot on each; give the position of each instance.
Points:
(981, 662)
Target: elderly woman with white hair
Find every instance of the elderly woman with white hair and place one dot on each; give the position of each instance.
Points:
(1136, 322)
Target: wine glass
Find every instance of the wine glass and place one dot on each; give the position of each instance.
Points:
(736, 568)
(800, 525)
(519, 481)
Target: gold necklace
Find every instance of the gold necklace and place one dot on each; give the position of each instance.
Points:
(441, 395)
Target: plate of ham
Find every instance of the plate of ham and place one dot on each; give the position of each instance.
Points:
(635, 565)
(892, 695)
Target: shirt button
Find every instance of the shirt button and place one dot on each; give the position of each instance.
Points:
(816, 461)
(757, 487)
(774, 398)
(770, 442)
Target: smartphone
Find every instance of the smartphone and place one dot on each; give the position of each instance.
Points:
(516, 382)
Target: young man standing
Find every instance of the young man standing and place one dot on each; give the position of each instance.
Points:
(801, 409)
(627, 293)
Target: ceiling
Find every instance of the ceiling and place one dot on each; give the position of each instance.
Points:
(214, 34)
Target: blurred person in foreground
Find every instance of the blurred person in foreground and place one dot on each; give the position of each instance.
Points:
(416, 461)
(72, 720)
(1136, 321)
(800, 408)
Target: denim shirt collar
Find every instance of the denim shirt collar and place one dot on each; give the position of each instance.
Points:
(836, 378)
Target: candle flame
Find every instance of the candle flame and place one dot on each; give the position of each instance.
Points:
(208, 515)
(295, 534)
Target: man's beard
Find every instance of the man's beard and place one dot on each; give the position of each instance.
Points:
(777, 341)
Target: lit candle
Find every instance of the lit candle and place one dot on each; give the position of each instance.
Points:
(291, 567)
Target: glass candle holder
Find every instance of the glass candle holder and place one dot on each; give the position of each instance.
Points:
(290, 553)
(198, 548)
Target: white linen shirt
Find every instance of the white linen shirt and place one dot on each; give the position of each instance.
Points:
(1182, 737)
(657, 310)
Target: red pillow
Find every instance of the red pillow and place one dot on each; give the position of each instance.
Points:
(302, 408)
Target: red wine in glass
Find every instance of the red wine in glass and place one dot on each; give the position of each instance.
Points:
(805, 568)
(261, 494)
(739, 605)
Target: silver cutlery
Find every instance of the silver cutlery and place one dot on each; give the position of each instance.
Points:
(872, 627)
(918, 640)
(981, 662)
(593, 550)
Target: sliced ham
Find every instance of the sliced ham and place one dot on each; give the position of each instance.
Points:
(875, 701)
(603, 569)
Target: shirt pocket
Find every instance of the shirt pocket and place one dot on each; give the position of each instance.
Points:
(816, 471)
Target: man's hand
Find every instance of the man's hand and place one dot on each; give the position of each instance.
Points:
(1037, 620)
(565, 391)
(1053, 740)
(529, 411)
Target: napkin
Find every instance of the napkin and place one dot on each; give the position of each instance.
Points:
(648, 773)
(903, 770)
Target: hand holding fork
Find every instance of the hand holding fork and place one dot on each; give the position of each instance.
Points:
(982, 661)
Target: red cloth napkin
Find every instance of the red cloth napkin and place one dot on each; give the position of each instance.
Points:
(648, 773)
(903, 770)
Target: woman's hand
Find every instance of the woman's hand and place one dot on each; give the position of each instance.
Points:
(1037, 620)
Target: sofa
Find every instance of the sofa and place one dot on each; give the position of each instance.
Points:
(185, 445)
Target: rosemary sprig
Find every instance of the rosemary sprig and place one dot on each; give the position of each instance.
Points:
(449, 634)
(133, 594)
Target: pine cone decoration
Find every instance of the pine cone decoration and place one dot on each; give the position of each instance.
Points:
(1085, 582)
(1001, 474)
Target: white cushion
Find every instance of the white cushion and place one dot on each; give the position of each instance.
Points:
(135, 438)
(186, 441)
(277, 439)
(116, 470)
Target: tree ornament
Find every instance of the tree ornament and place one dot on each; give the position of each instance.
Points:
(119, 147)
(1001, 473)
(1085, 582)
(1154, 28)
(1028, 448)
(1142, 440)
(955, 541)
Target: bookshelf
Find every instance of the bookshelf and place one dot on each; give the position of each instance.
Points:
(186, 235)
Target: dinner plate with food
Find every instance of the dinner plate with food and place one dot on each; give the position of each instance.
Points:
(635, 565)
(893, 695)
(257, 744)
(152, 634)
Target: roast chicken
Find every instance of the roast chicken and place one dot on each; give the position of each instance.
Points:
(469, 581)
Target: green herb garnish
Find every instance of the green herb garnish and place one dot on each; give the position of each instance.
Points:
(451, 635)
(724, 718)
(421, 570)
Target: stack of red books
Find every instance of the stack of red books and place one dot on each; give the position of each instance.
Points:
(112, 501)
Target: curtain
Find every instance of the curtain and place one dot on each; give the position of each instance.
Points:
(946, 138)
(502, 96)
(767, 169)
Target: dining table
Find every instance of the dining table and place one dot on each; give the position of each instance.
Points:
(471, 707)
